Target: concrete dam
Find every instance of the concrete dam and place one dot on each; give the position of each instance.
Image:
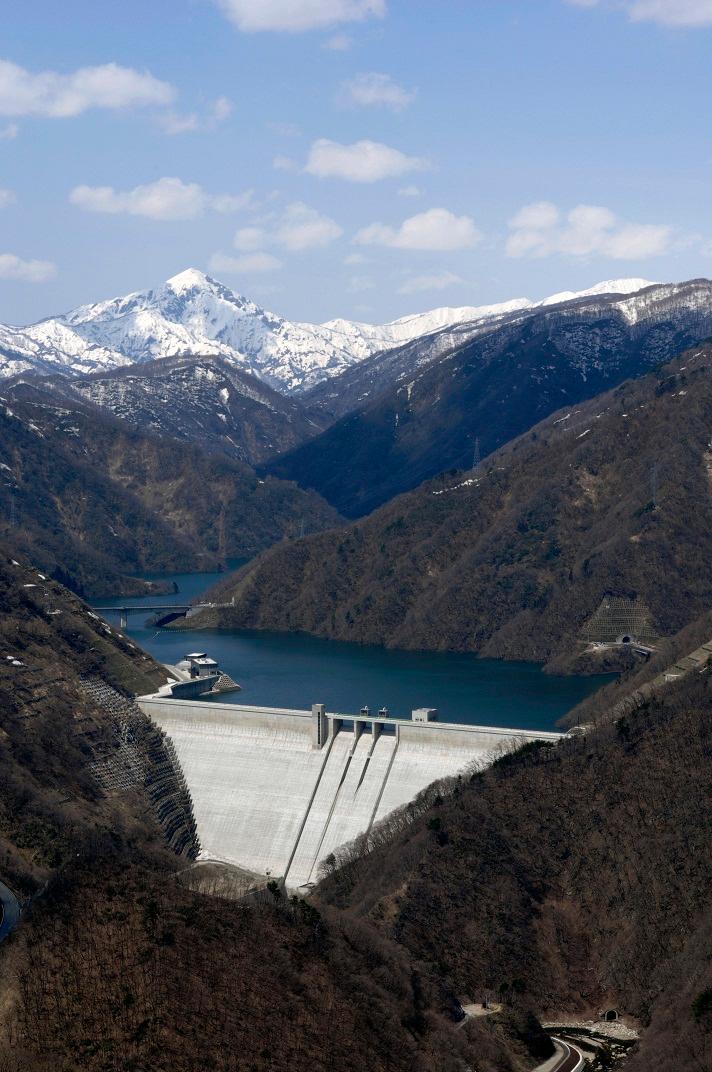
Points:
(277, 790)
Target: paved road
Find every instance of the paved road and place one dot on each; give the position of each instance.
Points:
(571, 1057)
(566, 1059)
(9, 911)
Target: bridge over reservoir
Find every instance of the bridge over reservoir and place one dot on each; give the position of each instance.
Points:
(276, 790)
(163, 610)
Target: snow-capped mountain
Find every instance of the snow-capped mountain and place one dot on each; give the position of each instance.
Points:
(406, 414)
(608, 286)
(192, 314)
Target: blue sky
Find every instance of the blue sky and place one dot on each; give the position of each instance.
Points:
(356, 158)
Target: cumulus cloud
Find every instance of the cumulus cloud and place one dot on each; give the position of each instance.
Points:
(285, 130)
(664, 12)
(301, 227)
(248, 263)
(376, 90)
(249, 239)
(295, 16)
(296, 228)
(7, 197)
(363, 161)
(165, 199)
(338, 43)
(284, 163)
(540, 230)
(360, 283)
(13, 267)
(217, 112)
(436, 230)
(409, 191)
(61, 96)
(432, 281)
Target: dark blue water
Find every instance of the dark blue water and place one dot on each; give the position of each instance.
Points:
(277, 670)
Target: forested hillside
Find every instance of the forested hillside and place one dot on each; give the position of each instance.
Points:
(200, 400)
(434, 409)
(611, 497)
(566, 879)
(115, 964)
(95, 502)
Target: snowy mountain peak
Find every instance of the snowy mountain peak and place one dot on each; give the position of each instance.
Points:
(189, 280)
(608, 286)
(192, 314)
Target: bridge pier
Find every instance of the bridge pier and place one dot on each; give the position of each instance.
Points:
(123, 618)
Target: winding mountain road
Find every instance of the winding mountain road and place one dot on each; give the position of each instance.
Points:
(568, 1058)
(9, 911)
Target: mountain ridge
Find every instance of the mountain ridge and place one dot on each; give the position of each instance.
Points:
(191, 313)
(407, 414)
(201, 400)
(96, 502)
(512, 558)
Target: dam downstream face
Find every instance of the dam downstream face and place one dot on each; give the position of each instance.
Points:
(277, 791)
(295, 671)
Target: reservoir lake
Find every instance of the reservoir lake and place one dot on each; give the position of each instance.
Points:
(292, 670)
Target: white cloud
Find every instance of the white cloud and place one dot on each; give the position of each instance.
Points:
(175, 123)
(536, 216)
(246, 264)
(221, 109)
(249, 239)
(284, 163)
(59, 96)
(231, 202)
(302, 227)
(410, 191)
(664, 12)
(13, 267)
(285, 130)
(363, 161)
(217, 112)
(377, 90)
(540, 230)
(338, 43)
(360, 283)
(165, 199)
(437, 230)
(296, 228)
(355, 258)
(7, 197)
(295, 16)
(9, 132)
(433, 281)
